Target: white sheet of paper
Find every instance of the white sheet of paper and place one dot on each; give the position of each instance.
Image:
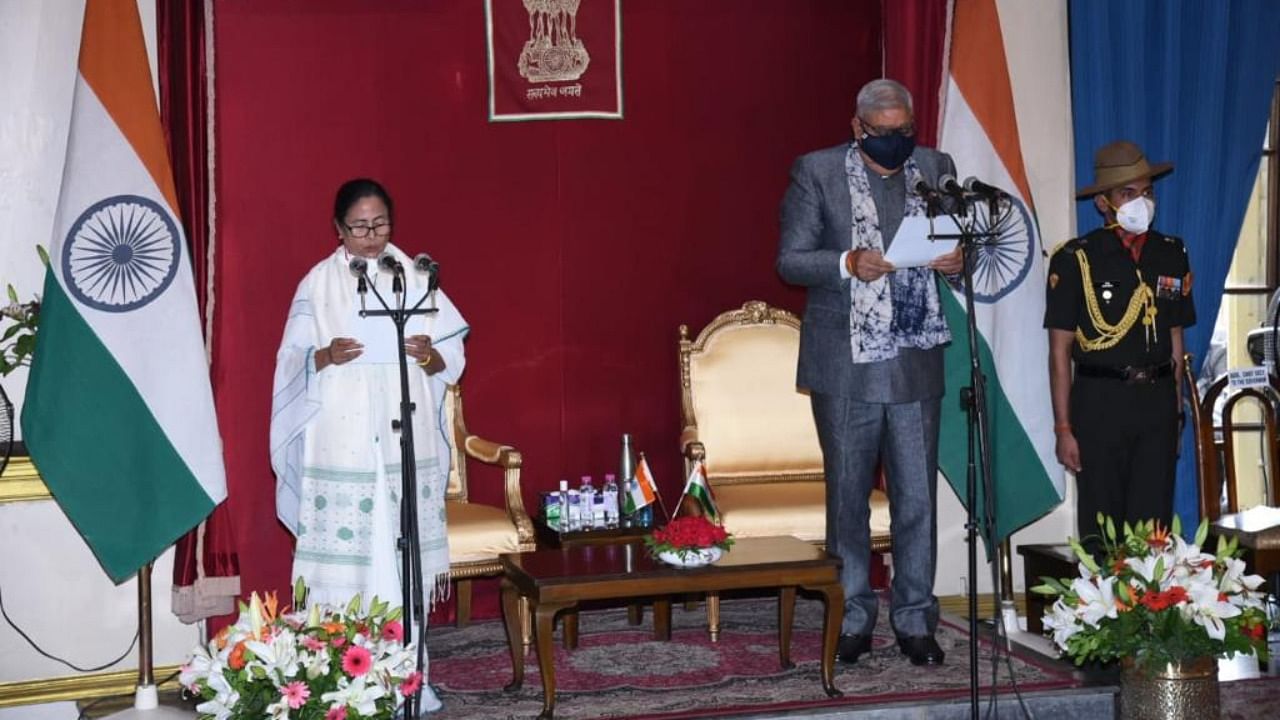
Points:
(911, 247)
(378, 334)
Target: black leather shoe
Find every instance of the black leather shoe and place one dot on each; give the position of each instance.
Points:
(852, 647)
(921, 650)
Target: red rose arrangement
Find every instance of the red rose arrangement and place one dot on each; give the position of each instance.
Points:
(686, 535)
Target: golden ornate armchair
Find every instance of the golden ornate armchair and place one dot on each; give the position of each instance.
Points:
(479, 533)
(745, 419)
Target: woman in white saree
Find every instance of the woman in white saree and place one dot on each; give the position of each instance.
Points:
(333, 449)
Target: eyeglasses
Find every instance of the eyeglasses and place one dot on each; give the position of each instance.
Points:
(359, 231)
(874, 131)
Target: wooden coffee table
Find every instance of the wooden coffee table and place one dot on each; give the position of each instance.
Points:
(556, 580)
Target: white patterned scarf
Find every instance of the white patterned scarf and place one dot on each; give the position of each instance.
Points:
(336, 458)
(901, 308)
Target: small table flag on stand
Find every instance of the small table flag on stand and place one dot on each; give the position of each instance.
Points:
(699, 489)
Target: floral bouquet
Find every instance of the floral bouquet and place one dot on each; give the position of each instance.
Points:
(321, 664)
(687, 539)
(1157, 599)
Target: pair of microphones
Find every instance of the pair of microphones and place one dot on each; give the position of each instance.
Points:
(971, 189)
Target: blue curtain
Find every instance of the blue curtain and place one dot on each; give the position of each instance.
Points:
(1191, 83)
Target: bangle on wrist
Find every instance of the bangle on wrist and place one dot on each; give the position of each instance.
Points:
(426, 361)
(1062, 427)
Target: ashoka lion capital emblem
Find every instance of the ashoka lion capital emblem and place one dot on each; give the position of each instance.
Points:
(553, 52)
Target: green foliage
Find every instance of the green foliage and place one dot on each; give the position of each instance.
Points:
(18, 340)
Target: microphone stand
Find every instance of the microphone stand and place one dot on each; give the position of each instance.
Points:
(973, 400)
(409, 543)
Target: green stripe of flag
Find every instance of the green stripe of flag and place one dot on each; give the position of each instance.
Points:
(1024, 491)
(102, 453)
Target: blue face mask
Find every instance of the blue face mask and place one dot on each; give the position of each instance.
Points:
(888, 151)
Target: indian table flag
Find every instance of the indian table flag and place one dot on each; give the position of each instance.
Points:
(697, 488)
(642, 491)
(980, 131)
(119, 415)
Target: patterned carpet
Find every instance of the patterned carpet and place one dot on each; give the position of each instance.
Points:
(618, 671)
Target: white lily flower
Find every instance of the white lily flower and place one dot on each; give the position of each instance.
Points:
(357, 694)
(220, 709)
(278, 658)
(278, 710)
(1062, 619)
(195, 668)
(1096, 601)
(1145, 567)
(224, 701)
(1208, 610)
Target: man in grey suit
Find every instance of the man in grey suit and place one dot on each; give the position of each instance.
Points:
(871, 356)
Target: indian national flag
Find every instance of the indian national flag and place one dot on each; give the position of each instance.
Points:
(119, 415)
(980, 131)
(643, 491)
(697, 488)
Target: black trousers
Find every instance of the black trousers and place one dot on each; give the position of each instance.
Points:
(1128, 437)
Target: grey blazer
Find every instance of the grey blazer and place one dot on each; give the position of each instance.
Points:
(817, 223)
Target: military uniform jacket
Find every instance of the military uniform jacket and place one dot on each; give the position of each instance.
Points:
(1112, 277)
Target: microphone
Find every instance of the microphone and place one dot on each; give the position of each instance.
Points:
(976, 187)
(388, 262)
(947, 185)
(924, 190)
(422, 262)
(358, 267)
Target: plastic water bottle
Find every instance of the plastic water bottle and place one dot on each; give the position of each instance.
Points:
(575, 511)
(587, 496)
(598, 512)
(563, 525)
(609, 496)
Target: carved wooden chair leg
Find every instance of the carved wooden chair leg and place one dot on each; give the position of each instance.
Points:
(526, 624)
(713, 616)
(463, 603)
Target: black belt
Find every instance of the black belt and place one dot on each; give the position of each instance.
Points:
(1131, 374)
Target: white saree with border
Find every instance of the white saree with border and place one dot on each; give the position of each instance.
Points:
(335, 455)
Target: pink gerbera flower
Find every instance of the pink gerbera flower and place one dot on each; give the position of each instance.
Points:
(295, 694)
(393, 631)
(312, 643)
(338, 641)
(337, 712)
(412, 684)
(356, 661)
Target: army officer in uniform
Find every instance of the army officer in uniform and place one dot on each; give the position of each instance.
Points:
(1118, 299)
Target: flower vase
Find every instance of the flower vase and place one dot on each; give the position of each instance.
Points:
(1184, 690)
(692, 558)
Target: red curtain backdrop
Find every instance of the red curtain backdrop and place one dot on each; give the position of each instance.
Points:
(184, 108)
(915, 34)
(574, 248)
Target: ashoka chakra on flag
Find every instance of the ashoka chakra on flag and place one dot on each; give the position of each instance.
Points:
(121, 253)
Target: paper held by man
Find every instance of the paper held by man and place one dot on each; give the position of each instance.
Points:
(914, 246)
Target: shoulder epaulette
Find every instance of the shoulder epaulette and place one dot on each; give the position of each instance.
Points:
(1073, 244)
